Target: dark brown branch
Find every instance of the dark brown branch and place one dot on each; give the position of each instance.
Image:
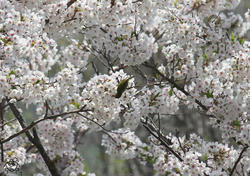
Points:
(70, 3)
(176, 86)
(153, 127)
(36, 141)
(2, 127)
(103, 30)
(50, 164)
(137, 1)
(25, 129)
(238, 160)
(163, 143)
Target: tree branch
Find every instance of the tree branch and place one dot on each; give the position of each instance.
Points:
(2, 128)
(70, 3)
(36, 141)
(238, 160)
(176, 86)
(25, 129)
(163, 142)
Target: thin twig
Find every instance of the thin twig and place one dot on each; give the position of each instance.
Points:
(5, 123)
(101, 126)
(163, 143)
(140, 72)
(107, 58)
(238, 160)
(153, 127)
(94, 67)
(99, 52)
(177, 135)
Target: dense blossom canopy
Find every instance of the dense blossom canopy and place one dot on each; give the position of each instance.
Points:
(198, 54)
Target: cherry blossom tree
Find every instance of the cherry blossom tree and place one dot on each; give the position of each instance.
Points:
(195, 50)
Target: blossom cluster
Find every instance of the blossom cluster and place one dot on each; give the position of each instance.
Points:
(199, 57)
(122, 143)
(151, 102)
(199, 157)
(15, 149)
(99, 97)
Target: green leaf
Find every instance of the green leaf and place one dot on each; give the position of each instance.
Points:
(37, 81)
(236, 124)
(77, 105)
(152, 103)
(175, 3)
(154, 96)
(78, 44)
(86, 170)
(22, 18)
(133, 34)
(150, 159)
(167, 173)
(129, 144)
(157, 75)
(205, 56)
(6, 42)
(232, 38)
(207, 94)
(241, 40)
(12, 72)
(153, 99)
(204, 157)
(145, 148)
(160, 48)
(177, 170)
(170, 92)
(13, 87)
(58, 157)
(121, 38)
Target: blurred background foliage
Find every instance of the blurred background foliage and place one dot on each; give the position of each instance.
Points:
(95, 159)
